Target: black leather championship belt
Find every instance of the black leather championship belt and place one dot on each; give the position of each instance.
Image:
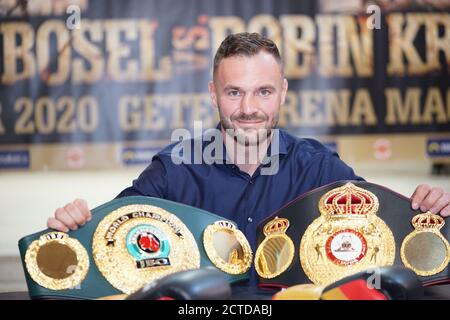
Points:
(128, 243)
(348, 227)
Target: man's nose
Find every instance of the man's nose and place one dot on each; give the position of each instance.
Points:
(248, 104)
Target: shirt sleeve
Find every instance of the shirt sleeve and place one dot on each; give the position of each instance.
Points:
(152, 182)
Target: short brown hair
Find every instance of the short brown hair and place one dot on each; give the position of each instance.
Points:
(245, 44)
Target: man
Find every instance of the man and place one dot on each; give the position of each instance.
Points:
(248, 89)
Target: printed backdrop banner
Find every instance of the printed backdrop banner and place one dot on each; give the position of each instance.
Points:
(103, 84)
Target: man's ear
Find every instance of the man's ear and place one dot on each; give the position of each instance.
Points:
(284, 89)
(212, 92)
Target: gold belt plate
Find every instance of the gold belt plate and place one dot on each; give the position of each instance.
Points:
(227, 247)
(136, 244)
(57, 262)
(425, 250)
(347, 238)
(276, 252)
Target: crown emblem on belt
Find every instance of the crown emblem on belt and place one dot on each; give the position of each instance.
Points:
(225, 224)
(348, 201)
(277, 225)
(425, 221)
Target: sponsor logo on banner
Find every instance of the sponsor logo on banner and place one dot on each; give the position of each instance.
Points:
(438, 147)
(382, 149)
(15, 159)
(75, 158)
(137, 156)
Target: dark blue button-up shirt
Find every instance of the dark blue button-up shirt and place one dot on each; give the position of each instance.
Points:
(222, 188)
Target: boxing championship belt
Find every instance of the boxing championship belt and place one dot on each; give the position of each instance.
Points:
(347, 227)
(129, 243)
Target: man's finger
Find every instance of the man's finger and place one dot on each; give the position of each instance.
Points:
(446, 211)
(57, 225)
(63, 216)
(75, 213)
(419, 195)
(83, 206)
(433, 196)
(441, 203)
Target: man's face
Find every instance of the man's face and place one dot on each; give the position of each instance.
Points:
(248, 92)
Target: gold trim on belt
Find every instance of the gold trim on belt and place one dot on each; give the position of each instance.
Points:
(276, 252)
(425, 250)
(56, 261)
(227, 247)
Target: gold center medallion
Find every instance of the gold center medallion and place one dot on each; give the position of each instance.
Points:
(276, 252)
(56, 261)
(136, 244)
(227, 247)
(347, 238)
(425, 250)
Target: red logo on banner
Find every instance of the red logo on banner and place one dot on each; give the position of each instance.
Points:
(75, 158)
(382, 149)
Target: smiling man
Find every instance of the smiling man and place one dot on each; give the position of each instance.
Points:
(248, 89)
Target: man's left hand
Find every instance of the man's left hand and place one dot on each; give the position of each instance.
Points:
(432, 199)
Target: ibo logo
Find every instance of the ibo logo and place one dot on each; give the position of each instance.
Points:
(148, 245)
(438, 147)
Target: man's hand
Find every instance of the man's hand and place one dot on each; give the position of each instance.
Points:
(432, 199)
(71, 216)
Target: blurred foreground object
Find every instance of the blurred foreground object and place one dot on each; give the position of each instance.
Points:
(387, 283)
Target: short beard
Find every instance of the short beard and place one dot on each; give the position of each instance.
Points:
(242, 136)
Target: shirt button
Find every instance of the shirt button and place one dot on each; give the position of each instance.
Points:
(250, 219)
(251, 181)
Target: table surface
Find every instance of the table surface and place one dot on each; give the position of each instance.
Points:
(441, 292)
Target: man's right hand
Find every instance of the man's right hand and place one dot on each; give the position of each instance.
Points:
(71, 216)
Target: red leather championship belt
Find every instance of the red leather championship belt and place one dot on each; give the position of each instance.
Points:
(347, 227)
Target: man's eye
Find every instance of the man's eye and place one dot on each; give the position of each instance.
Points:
(265, 92)
(233, 93)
